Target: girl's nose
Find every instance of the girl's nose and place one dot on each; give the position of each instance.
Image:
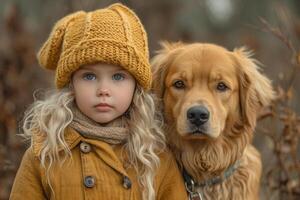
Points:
(103, 92)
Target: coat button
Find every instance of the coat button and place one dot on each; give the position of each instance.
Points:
(85, 147)
(89, 181)
(126, 182)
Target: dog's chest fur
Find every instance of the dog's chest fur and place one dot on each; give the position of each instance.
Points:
(241, 185)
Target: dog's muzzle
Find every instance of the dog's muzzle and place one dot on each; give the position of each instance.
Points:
(197, 117)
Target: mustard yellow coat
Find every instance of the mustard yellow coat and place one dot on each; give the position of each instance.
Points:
(94, 172)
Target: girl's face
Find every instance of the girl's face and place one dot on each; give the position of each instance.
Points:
(103, 92)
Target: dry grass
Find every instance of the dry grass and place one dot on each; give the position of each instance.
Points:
(283, 177)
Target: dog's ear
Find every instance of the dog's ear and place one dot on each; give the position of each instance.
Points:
(160, 63)
(255, 89)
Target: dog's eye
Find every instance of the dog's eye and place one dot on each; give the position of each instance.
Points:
(222, 87)
(179, 84)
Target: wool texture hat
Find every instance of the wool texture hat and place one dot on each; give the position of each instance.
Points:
(113, 35)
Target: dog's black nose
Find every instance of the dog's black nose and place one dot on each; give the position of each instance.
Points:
(198, 115)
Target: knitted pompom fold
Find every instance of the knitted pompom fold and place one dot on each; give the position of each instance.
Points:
(49, 54)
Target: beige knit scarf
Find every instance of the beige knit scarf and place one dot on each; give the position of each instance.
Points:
(113, 133)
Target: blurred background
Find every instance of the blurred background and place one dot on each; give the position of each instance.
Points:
(271, 28)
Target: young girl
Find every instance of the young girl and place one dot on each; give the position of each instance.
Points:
(96, 136)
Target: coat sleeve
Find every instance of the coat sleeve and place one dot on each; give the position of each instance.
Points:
(28, 182)
(172, 186)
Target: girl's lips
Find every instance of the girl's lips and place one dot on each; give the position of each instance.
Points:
(103, 107)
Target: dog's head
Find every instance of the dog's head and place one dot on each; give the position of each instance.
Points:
(207, 89)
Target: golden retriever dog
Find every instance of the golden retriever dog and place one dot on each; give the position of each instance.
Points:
(210, 100)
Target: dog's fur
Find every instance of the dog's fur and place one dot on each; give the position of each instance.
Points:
(207, 150)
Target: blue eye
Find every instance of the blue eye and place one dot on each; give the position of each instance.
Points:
(89, 76)
(118, 77)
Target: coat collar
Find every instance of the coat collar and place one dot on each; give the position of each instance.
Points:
(71, 136)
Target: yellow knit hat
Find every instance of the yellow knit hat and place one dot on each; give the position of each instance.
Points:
(113, 35)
